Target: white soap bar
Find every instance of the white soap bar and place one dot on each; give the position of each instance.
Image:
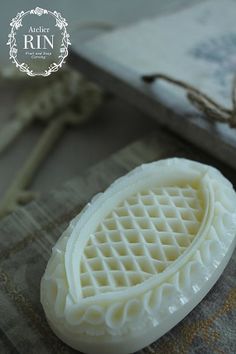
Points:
(140, 257)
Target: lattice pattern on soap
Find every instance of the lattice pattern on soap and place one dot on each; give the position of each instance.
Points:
(140, 238)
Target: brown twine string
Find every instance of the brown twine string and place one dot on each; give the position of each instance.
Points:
(201, 101)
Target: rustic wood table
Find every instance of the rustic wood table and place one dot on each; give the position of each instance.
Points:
(26, 238)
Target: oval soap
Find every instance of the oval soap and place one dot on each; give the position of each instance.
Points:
(140, 257)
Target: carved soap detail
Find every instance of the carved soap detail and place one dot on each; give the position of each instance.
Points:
(139, 253)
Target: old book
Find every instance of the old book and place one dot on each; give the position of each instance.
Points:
(196, 44)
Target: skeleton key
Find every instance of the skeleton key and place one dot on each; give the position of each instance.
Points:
(90, 98)
(41, 103)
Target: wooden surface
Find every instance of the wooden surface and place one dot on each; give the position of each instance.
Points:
(26, 238)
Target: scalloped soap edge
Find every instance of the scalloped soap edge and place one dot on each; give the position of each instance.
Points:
(120, 318)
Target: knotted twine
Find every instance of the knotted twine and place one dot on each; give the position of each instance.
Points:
(201, 101)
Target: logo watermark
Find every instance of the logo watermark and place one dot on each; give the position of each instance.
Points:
(38, 41)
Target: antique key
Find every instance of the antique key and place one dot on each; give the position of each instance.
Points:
(83, 105)
(41, 102)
